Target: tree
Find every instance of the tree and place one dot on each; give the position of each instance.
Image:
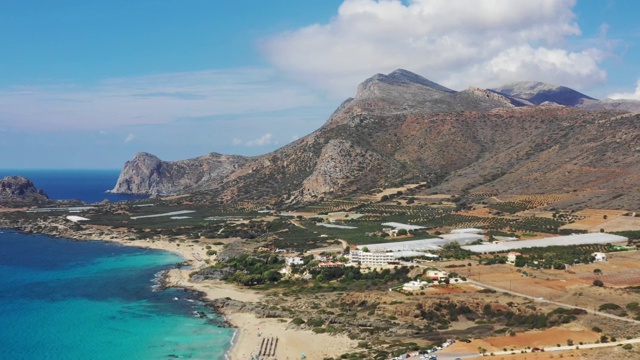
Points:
(402, 232)
(365, 249)
(598, 283)
(597, 272)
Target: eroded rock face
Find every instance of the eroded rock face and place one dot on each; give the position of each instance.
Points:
(340, 163)
(18, 190)
(147, 174)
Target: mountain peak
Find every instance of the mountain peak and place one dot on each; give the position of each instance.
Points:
(401, 77)
(539, 93)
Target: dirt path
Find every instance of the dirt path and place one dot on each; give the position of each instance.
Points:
(543, 300)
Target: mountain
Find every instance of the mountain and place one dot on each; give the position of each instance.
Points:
(147, 174)
(539, 93)
(20, 191)
(403, 128)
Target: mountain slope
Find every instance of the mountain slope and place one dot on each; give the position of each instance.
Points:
(403, 128)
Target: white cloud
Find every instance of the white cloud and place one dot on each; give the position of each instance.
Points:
(628, 95)
(457, 43)
(263, 140)
(130, 137)
(149, 100)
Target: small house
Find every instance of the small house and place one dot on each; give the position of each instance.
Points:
(511, 257)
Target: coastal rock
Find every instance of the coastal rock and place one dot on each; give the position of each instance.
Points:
(20, 191)
(147, 174)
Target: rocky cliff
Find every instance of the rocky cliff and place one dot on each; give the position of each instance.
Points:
(401, 127)
(20, 191)
(147, 174)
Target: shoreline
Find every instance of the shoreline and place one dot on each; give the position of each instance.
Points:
(233, 303)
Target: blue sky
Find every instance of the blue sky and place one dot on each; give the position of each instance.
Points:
(87, 84)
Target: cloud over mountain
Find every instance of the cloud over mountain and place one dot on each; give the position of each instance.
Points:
(635, 95)
(482, 42)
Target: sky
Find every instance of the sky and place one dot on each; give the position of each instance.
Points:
(88, 83)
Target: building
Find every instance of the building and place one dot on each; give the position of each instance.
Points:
(330, 264)
(599, 257)
(296, 260)
(415, 285)
(437, 275)
(371, 258)
(511, 257)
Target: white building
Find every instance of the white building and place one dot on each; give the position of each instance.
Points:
(511, 257)
(296, 260)
(599, 257)
(371, 258)
(437, 275)
(415, 285)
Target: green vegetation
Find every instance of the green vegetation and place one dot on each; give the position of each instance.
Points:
(555, 257)
(247, 270)
(441, 314)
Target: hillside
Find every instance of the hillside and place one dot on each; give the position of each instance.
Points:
(403, 128)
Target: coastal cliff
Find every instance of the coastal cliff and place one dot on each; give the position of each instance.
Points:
(147, 174)
(20, 191)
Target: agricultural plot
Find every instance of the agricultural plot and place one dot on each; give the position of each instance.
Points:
(531, 224)
(331, 206)
(610, 220)
(409, 212)
(528, 202)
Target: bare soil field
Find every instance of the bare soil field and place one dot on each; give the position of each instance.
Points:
(609, 220)
(622, 269)
(530, 339)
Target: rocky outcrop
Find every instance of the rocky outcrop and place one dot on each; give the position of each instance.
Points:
(339, 164)
(147, 174)
(20, 191)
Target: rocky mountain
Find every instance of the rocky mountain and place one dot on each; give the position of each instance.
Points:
(20, 191)
(147, 174)
(403, 128)
(539, 93)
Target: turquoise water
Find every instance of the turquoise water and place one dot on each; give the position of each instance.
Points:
(63, 299)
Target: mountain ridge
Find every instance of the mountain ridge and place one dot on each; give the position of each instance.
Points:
(402, 127)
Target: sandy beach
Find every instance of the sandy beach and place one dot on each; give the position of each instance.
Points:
(287, 341)
(291, 341)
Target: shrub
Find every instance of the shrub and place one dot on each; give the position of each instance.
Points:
(598, 283)
(297, 321)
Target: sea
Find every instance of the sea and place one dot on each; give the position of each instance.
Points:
(66, 299)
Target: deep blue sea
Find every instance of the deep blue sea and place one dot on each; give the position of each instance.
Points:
(65, 299)
(86, 185)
